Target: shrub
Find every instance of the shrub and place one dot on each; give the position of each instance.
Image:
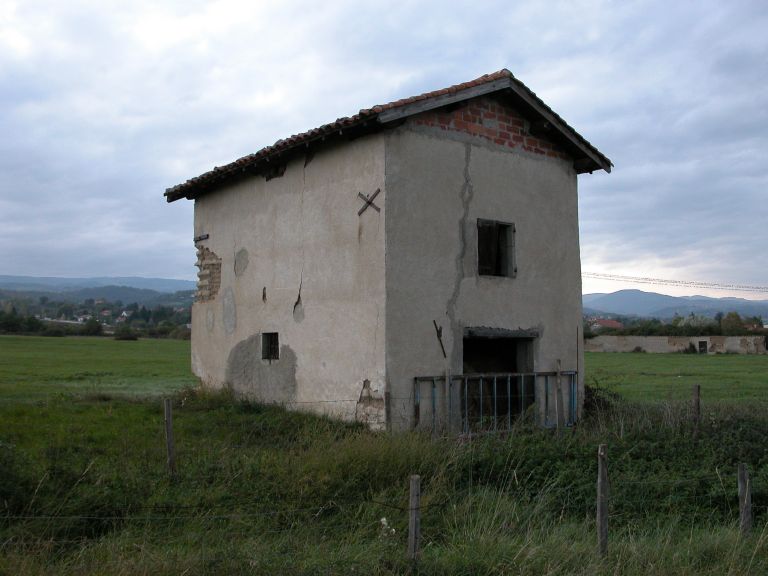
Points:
(125, 333)
(54, 331)
(91, 328)
(181, 333)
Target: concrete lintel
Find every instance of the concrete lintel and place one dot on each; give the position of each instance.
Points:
(488, 332)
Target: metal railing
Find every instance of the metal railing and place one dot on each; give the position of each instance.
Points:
(468, 403)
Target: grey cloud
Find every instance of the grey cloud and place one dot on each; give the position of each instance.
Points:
(113, 103)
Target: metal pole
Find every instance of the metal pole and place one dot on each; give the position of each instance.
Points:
(495, 411)
(417, 403)
(466, 406)
(434, 406)
(509, 403)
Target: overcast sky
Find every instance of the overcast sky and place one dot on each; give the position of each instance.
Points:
(103, 105)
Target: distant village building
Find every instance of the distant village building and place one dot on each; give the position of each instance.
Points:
(599, 324)
(413, 264)
(124, 316)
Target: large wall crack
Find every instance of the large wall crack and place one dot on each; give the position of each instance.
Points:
(466, 194)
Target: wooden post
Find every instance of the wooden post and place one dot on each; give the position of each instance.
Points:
(559, 408)
(602, 500)
(414, 518)
(171, 449)
(696, 408)
(745, 500)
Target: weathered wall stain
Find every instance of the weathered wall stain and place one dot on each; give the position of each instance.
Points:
(229, 311)
(261, 380)
(370, 408)
(210, 319)
(241, 261)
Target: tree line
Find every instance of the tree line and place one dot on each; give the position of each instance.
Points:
(728, 324)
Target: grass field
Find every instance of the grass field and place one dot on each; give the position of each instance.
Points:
(32, 368)
(84, 487)
(661, 377)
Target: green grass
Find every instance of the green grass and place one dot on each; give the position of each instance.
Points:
(84, 487)
(33, 368)
(662, 377)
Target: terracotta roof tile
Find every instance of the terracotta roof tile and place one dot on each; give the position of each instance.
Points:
(194, 186)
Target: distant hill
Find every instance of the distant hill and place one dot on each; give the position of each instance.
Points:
(148, 292)
(56, 284)
(124, 294)
(651, 304)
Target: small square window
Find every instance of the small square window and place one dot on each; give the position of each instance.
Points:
(270, 346)
(496, 249)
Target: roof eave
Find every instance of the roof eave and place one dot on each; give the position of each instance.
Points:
(587, 158)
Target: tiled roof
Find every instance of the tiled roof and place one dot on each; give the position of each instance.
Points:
(369, 119)
(608, 323)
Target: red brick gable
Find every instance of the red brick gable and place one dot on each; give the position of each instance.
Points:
(487, 119)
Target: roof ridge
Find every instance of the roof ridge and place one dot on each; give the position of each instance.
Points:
(484, 79)
(199, 184)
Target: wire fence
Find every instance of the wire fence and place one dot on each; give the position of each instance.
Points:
(617, 497)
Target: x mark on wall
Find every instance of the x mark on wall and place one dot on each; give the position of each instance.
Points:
(368, 201)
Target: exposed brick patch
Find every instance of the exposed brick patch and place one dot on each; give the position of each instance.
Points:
(209, 276)
(485, 118)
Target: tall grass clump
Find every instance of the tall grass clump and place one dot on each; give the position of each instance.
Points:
(85, 490)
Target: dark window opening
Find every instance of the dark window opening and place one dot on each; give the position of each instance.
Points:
(494, 391)
(496, 249)
(702, 346)
(270, 346)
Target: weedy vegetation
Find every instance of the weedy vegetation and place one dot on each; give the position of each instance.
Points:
(84, 487)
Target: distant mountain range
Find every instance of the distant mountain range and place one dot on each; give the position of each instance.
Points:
(653, 305)
(55, 284)
(168, 291)
(145, 291)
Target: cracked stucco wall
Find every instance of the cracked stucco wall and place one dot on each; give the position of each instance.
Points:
(297, 259)
(438, 184)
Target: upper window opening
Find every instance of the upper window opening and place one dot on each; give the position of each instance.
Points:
(270, 346)
(496, 249)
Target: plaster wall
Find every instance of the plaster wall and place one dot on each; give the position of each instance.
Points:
(438, 184)
(297, 259)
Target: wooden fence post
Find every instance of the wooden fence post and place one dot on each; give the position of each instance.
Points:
(696, 408)
(602, 500)
(170, 447)
(414, 518)
(745, 500)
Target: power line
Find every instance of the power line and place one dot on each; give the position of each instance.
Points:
(669, 282)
